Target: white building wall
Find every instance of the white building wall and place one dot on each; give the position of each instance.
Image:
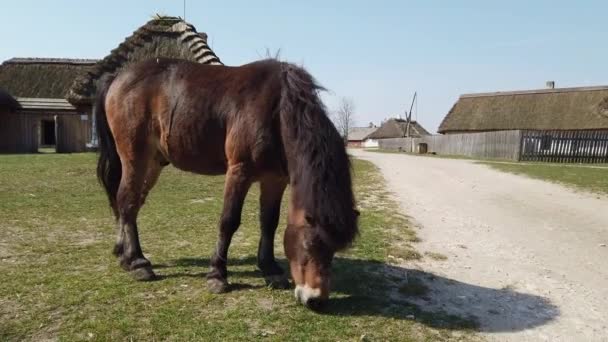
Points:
(370, 143)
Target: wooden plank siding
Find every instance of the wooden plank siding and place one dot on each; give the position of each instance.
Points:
(20, 132)
(487, 145)
(72, 133)
(590, 146)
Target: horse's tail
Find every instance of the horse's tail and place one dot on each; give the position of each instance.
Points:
(316, 157)
(109, 168)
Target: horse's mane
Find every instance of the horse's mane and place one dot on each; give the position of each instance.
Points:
(319, 166)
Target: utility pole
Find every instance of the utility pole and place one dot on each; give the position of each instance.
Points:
(409, 116)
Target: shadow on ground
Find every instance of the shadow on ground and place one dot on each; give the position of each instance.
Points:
(374, 288)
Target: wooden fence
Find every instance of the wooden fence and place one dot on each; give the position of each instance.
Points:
(565, 146)
(543, 146)
(489, 145)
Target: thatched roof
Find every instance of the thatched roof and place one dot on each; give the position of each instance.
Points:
(396, 128)
(41, 77)
(169, 37)
(545, 109)
(360, 133)
(7, 102)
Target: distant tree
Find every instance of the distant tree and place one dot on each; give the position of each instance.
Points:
(345, 117)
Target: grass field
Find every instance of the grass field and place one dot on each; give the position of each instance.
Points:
(58, 279)
(587, 178)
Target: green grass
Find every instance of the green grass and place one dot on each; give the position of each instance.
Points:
(58, 279)
(593, 179)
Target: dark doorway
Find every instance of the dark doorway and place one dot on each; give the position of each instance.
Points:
(47, 133)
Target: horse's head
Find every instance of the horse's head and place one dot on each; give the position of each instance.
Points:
(310, 254)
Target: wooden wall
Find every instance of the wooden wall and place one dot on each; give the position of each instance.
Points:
(487, 145)
(542, 146)
(73, 132)
(20, 132)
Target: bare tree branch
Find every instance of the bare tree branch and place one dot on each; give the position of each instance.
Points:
(345, 117)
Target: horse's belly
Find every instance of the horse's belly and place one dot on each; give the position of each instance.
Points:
(198, 153)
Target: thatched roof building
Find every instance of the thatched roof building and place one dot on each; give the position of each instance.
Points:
(41, 77)
(42, 87)
(35, 111)
(545, 109)
(396, 128)
(360, 133)
(169, 37)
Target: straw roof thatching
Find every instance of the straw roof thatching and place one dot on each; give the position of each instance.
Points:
(360, 133)
(396, 128)
(545, 109)
(169, 37)
(41, 77)
(7, 102)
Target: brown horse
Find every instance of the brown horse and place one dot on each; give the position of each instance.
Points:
(260, 122)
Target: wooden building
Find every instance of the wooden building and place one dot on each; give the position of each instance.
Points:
(55, 96)
(554, 125)
(397, 128)
(580, 109)
(40, 115)
(359, 137)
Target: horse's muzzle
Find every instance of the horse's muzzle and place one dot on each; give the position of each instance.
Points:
(310, 297)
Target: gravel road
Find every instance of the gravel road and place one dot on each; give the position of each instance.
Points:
(527, 258)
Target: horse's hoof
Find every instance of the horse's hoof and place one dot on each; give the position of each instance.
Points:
(277, 281)
(143, 274)
(217, 286)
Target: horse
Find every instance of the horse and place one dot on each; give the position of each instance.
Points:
(260, 122)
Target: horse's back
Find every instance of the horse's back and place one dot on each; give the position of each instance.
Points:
(201, 118)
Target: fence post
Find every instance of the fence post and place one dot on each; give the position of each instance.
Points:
(520, 140)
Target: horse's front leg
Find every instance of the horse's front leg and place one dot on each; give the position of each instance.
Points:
(271, 193)
(238, 181)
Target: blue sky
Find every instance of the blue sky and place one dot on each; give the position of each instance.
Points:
(375, 52)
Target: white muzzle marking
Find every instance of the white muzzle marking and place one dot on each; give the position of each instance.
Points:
(303, 293)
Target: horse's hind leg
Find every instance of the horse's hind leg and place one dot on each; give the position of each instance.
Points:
(152, 173)
(271, 193)
(138, 177)
(238, 181)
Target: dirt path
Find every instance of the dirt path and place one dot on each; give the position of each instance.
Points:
(526, 257)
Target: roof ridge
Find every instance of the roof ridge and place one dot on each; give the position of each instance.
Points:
(536, 91)
(50, 60)
(184, 32)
